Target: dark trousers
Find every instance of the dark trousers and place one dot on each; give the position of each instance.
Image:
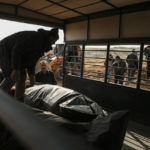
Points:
(131, 72)
(148, 68)
(119, 78)
(7, 84)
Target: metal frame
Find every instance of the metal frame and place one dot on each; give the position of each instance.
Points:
(140, 41)
(16, 17)
(64, 70)
(82, 61)
(112, 12)
(58, 4)
(106, 69)
(140, 65)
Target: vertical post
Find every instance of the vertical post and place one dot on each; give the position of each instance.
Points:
(140, 66)
(88, 27)
(64, 29)
(120, 24)
(82, 61)
(64, 70)
(106, 64)
(16, 10)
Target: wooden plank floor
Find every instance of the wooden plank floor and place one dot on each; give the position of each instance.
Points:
(137, 137)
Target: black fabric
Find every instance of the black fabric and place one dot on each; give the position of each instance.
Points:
(62, 101)
(119, 68)
(47, 78)
(132, 61)
(22, 50)
(103, 133)
(108, 132)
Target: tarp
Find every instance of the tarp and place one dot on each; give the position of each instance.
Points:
(63, 102)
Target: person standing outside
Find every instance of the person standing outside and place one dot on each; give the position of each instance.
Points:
(19, 53)
(45, 76)
(147, 54)
(132, 61)
(119, 70)
(110, 68)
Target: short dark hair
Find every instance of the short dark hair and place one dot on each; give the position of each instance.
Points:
(133, 50)
(54, 33)
(117, 57)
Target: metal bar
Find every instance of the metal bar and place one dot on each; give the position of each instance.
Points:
(93, 76)
(106, 69)
(110, 4)
(16, 10)
(22, 2)
(95, 50)
(128, 9)
(145, 84)
(82, 61)
(120, 24)
(94, 58)
(113, 41)
(88, 28)
(140, 65)
(16, 17)
(111, 50)
(64, 29)
(76, 7)
(58, 4)
(94, 65)
(64, 70)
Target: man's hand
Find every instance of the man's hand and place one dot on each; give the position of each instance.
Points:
(15, 75)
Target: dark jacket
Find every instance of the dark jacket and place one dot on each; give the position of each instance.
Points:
(132, 61)
(119, 68)
(147, 53)
(110, 62)
(47, 78)
(22, 50)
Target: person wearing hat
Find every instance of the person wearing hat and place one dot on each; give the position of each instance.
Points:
(132, 61)
(110, 69)
(19, 53)
(147, 54)
(119, 70)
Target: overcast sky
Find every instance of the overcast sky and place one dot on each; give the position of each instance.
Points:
(10, 27)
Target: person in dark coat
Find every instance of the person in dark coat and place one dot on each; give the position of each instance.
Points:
(132, 61)
(119, 69)
(44, 76)
(19, 53)
(147, 54)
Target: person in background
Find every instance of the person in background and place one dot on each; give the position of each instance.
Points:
(45, 76)
(110, 68)
(132, 61)
(19, 53)
(119, 70)
(147, 54)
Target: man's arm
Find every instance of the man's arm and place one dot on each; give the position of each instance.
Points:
(16, 57)
(31, 73)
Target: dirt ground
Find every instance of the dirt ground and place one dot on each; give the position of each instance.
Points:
(95, 69)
